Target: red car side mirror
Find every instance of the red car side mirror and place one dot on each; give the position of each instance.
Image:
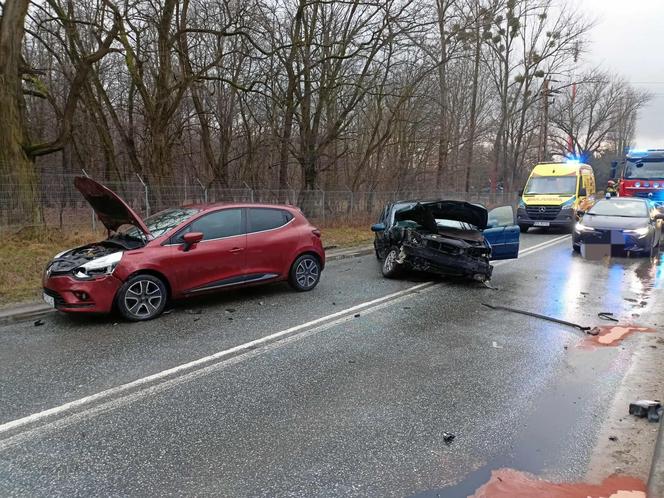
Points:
(191, 239)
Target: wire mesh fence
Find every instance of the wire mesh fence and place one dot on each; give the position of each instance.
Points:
(55, 203)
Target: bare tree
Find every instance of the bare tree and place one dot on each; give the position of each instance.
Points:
(597, 112)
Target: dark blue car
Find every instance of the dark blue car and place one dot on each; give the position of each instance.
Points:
(452, 238)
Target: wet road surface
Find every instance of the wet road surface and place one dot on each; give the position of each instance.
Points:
(345, 405)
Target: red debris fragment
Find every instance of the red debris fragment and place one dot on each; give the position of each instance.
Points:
(612, 335)
(508, 483)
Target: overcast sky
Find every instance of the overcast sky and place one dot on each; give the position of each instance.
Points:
(628, 38)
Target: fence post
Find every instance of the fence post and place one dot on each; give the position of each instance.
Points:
(147, 196)
(94, 218)
(205, 192)
(251, 191)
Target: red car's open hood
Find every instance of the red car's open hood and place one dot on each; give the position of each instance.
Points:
(110, 208)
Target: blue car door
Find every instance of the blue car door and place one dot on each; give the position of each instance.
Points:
(502, 233)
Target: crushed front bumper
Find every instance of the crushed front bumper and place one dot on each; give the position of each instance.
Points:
(432, 261)
(82, 296)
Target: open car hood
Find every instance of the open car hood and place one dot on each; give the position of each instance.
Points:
(110, 208)
(426, 213)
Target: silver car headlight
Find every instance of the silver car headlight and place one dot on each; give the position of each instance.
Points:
(581, 228)
(99, 266)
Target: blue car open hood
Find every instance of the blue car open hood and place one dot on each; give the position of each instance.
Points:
(426, 213)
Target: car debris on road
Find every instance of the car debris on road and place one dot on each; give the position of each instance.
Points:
(605, 315)
(652, 409)
(448, 437)
(587, 330)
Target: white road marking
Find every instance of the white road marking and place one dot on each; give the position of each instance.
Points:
(14, 424)
(545, 243)
(155, 388)
(105, 397)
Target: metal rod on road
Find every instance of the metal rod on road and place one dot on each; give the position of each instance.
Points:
(537, 315)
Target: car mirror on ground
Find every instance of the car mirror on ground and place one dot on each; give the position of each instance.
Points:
(191, 239)
(378, 227)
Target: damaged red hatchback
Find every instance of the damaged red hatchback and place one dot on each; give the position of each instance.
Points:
(180, 252)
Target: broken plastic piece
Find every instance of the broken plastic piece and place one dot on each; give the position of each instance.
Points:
(605, 315)
(643, 406)
(448, 437)
(39, 323)
(655, 414)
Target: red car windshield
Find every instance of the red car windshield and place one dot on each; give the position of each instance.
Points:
(160, 223)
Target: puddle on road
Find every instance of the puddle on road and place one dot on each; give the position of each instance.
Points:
(542, 438)
(611, 335)
(508, 483)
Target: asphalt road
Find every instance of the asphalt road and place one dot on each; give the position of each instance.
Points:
(347, 390)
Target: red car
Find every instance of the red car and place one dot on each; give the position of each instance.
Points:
(180, 252)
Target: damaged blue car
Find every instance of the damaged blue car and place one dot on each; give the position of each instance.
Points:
(450, 238)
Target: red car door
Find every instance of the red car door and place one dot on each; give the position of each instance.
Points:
(271, 241)
(219, 260)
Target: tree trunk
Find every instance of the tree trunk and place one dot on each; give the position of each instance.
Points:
(472, 127)
(443, 140)
(15, 164)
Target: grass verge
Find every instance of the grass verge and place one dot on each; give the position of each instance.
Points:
(24, 256)
(341, 237)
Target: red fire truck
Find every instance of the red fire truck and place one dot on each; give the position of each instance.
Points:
(643, 174)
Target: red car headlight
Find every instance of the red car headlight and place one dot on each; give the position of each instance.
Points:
(98, 267)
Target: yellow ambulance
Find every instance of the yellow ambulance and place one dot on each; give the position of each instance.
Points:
(554, 193)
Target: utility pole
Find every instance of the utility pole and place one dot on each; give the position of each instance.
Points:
(570, 139)
(544, 126)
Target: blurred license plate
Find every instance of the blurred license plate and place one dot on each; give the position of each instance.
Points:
(542, 223)
(49, 300)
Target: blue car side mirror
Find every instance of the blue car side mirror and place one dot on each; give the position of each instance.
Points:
(378, 227)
